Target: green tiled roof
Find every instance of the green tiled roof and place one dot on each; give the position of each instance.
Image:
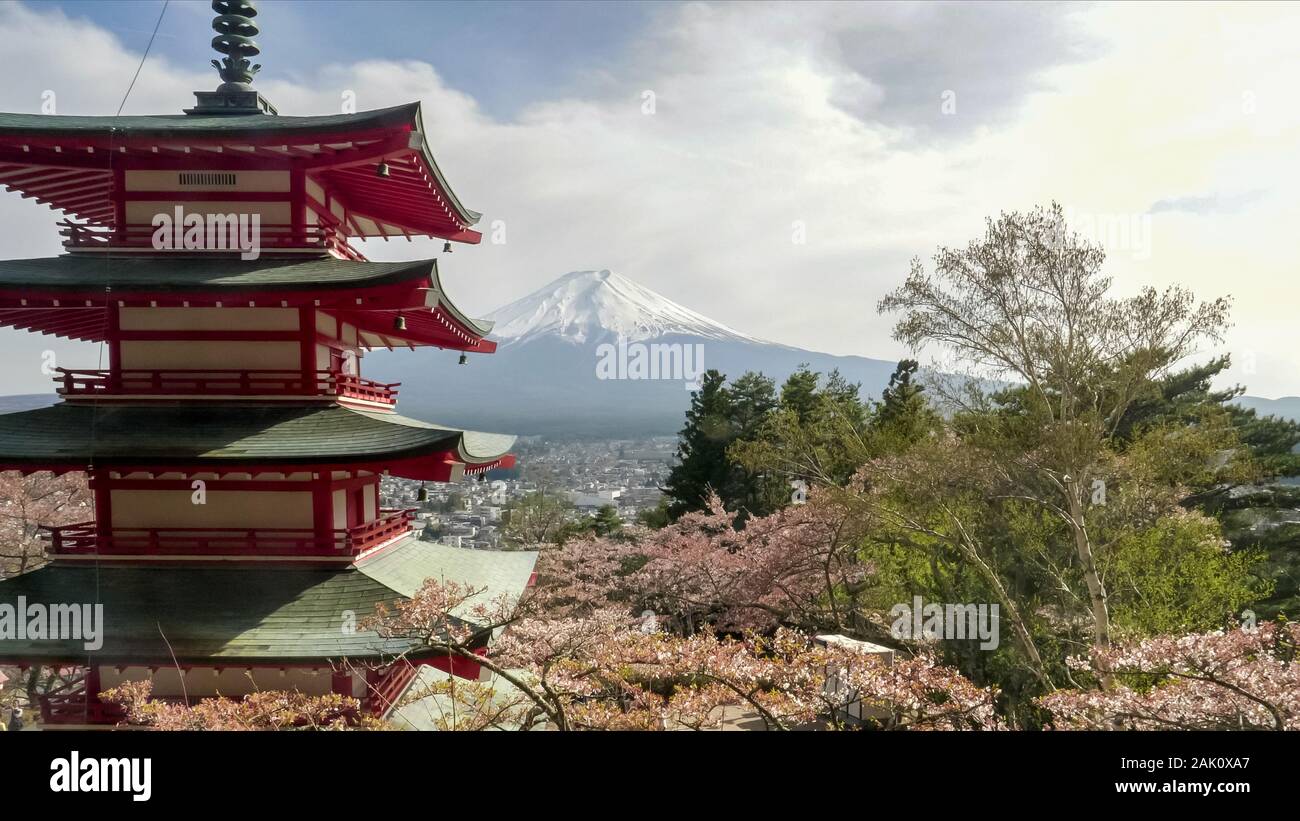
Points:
(169, 272)
(246, 614)
(206, 613)
(419, 709)
(189, 125)
(228, 433)
(489, 570)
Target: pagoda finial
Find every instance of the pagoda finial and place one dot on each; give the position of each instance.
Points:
(235, 32)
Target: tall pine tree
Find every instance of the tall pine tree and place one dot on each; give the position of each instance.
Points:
(902, 414)
(702, 464)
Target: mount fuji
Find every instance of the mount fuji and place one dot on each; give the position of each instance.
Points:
(594, 354)
(591, 307)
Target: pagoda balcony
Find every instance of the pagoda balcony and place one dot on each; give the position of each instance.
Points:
(85, 539)
(271, 239)
(79, 709)
(209, 383)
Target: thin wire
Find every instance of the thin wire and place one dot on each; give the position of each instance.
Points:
(144, 56)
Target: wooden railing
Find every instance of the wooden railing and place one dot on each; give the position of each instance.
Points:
(350, 385)
(68, 703)
(228, 382)
(76, 708)
(85, 539)
(384, 694)
(271, 238)
(388, 525)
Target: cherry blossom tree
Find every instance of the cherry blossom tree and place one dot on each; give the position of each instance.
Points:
(1240, 679)
(797, 567)
(268, 710)
(609, 670)
(27, 503)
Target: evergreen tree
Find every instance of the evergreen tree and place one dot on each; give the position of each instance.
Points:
(799, 393)
(753, 397)
(1257, 515)
(606, 522)
(817, 435)
(753, 492)
(1180, 396)
(839, 402)
(656, 517)
(702, 464)
(902, 412)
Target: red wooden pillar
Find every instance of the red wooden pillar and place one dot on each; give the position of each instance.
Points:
(93, 708)
(101, 486)
(307, 348)
(298, 204)
(322, 509)
(119, 204)
(371, 701)
(113, 332)
(341, 683)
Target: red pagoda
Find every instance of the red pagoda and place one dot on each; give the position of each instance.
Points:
(233, 448)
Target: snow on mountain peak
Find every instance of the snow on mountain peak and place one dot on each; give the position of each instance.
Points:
(600, 306)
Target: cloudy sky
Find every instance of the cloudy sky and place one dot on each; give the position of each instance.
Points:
(874, 132)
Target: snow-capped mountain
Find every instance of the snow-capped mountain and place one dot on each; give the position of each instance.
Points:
(553, 372)
(586, 307)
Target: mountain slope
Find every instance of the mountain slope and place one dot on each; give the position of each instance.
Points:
(556, 352)
(1286, 407)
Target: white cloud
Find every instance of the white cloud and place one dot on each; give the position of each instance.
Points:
(767, 115)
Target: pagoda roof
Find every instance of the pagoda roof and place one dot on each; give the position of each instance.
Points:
(426, 704)
(167, 126)
(494, 571)
(251, 615)
(173, 272)
(227, 435)
(65, 295)
(67, 162)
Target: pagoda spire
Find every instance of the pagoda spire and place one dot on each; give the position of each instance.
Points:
(235, 29)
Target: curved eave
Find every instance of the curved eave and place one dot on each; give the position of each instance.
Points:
(468, 215)
(65, 296)
(246, 436)
(479, 327)
(432, 319)
(85, 277)
(424, 329)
